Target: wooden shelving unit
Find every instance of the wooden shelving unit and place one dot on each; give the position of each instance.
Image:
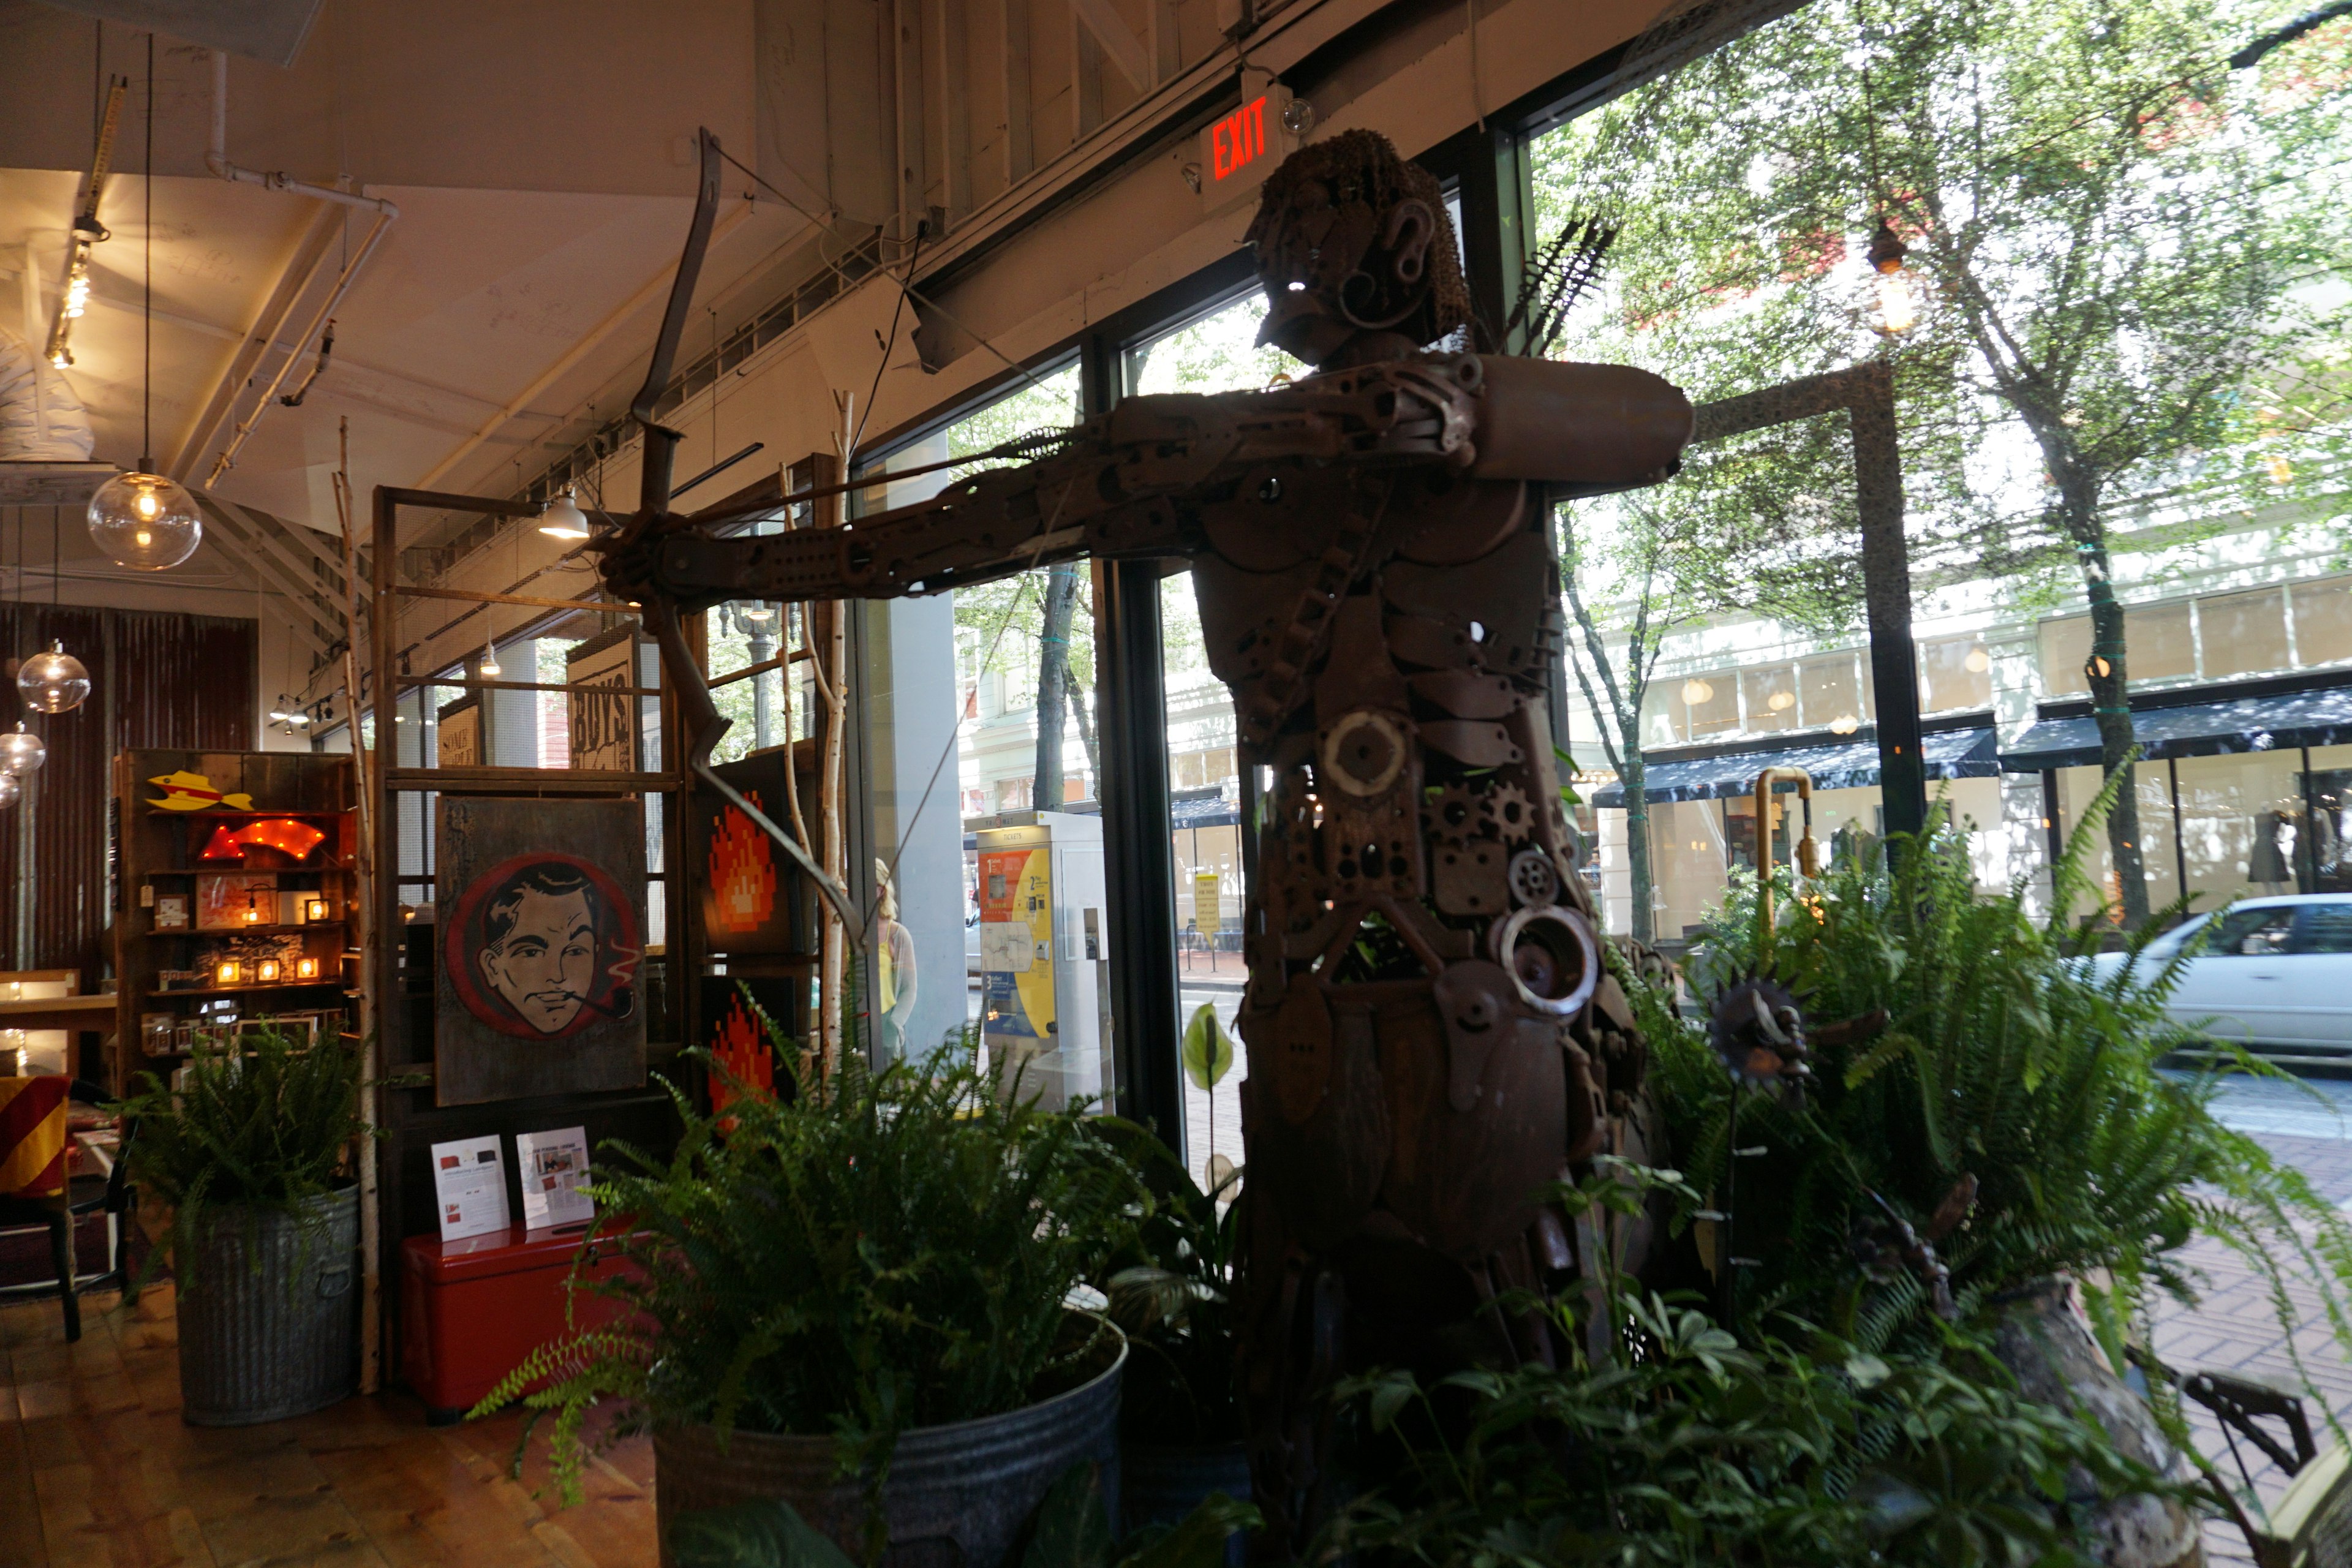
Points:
(158, 853)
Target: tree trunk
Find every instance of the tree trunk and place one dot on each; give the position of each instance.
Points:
(1086, 723)
(1053, 684)
(2111, 710)
(1632, 776)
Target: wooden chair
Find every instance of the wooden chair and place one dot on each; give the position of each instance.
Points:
(111, 1195)
(2311, 1526)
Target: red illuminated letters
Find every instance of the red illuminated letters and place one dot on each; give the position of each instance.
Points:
(1239, 140)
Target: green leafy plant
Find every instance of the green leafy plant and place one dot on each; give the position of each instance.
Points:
(1173, 1296)
(267, 1127)
(896, 1251)
(2011, 1109)
(1687, 1445)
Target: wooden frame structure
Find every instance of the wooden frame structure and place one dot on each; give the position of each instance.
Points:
(399, 974)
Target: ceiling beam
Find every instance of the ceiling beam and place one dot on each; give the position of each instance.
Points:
(230, 527)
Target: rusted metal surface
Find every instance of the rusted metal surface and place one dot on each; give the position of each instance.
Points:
(157, 679)
(1432, 1040)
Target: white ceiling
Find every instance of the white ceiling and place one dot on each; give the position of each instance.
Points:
(539, 153)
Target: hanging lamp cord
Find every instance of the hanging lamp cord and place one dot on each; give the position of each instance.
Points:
(147, 308)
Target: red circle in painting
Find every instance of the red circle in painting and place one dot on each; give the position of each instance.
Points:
(610, 988)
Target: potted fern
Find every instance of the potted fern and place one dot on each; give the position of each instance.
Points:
(858, 1299)
(1983, 1136)
(251, 1150)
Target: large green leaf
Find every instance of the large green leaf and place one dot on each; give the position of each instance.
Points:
(1199, 1541)
(1208, 1049)
(750, 1535)
(1073, 1528)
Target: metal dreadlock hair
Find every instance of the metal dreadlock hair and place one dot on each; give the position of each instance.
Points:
(1361, 179)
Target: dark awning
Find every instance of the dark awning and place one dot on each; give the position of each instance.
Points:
(2322, 717)
(1838, 764)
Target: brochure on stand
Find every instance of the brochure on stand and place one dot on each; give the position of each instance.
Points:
(554, 1168)
(469, 1180)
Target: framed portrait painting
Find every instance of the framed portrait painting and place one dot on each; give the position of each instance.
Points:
(541, 905)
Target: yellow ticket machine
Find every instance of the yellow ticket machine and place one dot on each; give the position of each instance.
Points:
(1044, 989)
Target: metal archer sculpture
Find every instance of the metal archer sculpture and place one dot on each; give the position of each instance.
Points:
(1433, 1038)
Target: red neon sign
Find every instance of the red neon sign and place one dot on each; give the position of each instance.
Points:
(1238, 140)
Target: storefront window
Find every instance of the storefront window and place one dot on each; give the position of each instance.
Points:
(2243, 634)
(1214, 352)
(1008, 937)
(1829, 691)
(1771, 697)
(2323, 621)
(2243, 821)
(1689, 859)
(2329, 792)
(2159, 860)
(1954, 676)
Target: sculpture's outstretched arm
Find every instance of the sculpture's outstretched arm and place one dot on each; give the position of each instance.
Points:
(1155, 478)
(1131, 483)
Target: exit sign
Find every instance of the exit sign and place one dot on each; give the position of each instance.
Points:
(1237, 142)
(1240, 148)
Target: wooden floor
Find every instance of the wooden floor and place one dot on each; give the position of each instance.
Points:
(96, 1468)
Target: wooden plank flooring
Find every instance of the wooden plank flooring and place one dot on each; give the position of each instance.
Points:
(97, 1470)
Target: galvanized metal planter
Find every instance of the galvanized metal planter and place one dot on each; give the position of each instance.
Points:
(270, 1328)
(958, 1496)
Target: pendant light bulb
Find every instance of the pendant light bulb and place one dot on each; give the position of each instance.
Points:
(54, 681)
(562, 518)
(489, 661)
(145, 520)
(21, 751)
(1898, 312)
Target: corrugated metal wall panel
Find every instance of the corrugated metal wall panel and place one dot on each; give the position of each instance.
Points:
(157, 679)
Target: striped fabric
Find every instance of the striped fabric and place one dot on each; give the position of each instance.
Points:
(33, 1136)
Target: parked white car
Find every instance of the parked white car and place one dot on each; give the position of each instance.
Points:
(2270, 974)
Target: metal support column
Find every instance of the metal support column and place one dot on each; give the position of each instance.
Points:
(1866, 394)
(1886, 597)
(1138, 856)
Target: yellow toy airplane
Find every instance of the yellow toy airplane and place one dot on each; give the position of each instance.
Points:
(193, 792)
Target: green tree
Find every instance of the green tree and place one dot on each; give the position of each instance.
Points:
(1757, 522)
(1036, 616)
(2110, 234)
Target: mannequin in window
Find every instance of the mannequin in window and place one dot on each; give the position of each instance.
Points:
(894, 967)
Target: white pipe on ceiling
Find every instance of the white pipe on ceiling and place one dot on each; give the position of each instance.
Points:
(216, 159)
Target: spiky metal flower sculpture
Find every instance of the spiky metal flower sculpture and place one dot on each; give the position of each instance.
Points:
(1758, 1032)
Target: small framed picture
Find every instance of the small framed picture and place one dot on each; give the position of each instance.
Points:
(171, 911)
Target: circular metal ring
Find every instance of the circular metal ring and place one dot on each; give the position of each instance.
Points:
(1551, 955)
(1534, 879)
(1353, 761)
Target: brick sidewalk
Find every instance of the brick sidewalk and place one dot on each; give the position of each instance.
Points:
(2234, 1327)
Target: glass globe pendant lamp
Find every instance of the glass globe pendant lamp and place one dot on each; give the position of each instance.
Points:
(143, 520)
(54, 681)
(9, 790)
(21, 751)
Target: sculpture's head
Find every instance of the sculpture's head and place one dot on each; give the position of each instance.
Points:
(1357, 254)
